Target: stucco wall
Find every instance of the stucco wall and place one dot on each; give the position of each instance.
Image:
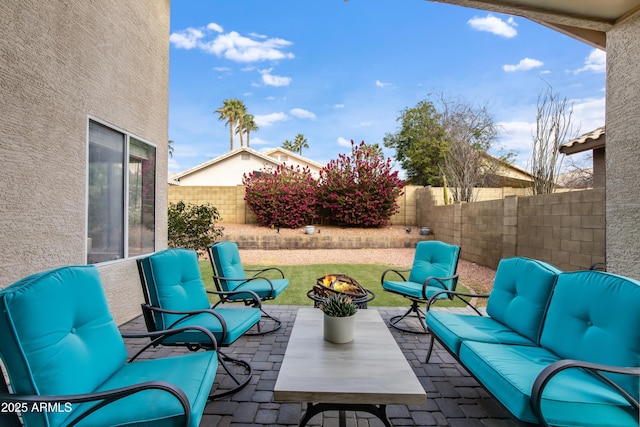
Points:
(623, 148)
(226, 172)
(62, 61)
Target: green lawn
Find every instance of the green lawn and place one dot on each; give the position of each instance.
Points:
(303, 277)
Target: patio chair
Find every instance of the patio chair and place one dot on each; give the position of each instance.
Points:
(229, 275)
(434, 269)
(175, 296)
(66, 361)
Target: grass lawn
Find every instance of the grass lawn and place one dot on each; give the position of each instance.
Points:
(303, 277)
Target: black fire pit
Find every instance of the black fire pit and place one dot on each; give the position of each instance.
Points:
(340, 284)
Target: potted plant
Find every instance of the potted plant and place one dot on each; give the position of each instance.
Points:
(339, 318)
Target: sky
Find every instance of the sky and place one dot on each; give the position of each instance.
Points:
(338, 71)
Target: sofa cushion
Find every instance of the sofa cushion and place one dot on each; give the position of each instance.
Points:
(520, 295)
(573, 398)
(193, 373)
(453, 328)
(176, 283)
(595, 316)
(58, 335)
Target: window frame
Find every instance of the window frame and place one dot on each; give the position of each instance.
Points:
(126, 155)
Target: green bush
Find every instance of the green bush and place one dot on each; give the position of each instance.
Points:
(193, 226)
(281, 197)
(359, 190)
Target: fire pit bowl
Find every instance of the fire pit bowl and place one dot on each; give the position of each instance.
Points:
(340, 284)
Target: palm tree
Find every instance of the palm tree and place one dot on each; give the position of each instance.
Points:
(231, 111)
(299, 143)
(248, 125)
(288, 145)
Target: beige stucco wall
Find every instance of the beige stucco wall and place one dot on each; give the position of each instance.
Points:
(61, 62)
(226, 172)
(623, 148)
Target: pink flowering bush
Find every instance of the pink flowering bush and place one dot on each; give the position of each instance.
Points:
(359, 190)
(282, 197)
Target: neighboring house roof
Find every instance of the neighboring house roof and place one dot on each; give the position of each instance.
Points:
(225, 156)
(507, 174)
(278, 152)
(588, 141)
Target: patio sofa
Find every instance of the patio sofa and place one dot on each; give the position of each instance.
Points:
(556, 348)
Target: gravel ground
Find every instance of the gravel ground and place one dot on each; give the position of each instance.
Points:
(478, 278)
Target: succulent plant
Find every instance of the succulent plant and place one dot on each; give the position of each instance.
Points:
(337, 305)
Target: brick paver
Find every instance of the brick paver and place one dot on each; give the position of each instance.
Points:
(454, 398)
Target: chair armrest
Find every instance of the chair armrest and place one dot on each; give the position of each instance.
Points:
(188, 314)
(550, 371)
(391, 270)
(257, 302)
(459, 295)
(260, 271)
(245, 281)
(440, 280)
(158, 336)
(106, 398)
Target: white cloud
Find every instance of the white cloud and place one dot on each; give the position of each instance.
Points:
(215, 27)
(596, 62)
(493, 24)
(232, 45)
(302, 114)
(381, 84)
(344, 142)
(271, 80)
(257, 141)
(588, 114)
(186, 39)
(524, 65)
(269, 119)
(338, 106)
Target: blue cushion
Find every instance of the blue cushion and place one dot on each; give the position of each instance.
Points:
(520, 296)
(175, 283)
(58, 335)
(595, 317)
(226, 258)
(434, 259)
(431, 259)
(154, 407)
(572, 398)
(453, 328)
(237, 321)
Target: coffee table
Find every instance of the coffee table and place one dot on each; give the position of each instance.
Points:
(364, 375)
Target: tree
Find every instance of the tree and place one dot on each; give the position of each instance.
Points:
(470, 132)
(170, 148)
(232, 110)
(247, 125)
(299, 143)
(288, 145)
(193, 226)
(553, 124)
(419, 144)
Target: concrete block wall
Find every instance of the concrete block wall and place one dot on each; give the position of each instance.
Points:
(565, 229)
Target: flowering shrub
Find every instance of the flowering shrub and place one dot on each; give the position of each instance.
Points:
(282, 197)
(359, 190)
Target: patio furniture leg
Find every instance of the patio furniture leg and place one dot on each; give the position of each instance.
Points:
(241, 383)
(314, 409)
(419, 314)
(277, 324)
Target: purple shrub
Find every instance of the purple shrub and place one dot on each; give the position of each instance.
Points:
(282, 197)
(359, 190)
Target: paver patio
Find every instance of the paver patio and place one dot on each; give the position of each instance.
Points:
(454, 398)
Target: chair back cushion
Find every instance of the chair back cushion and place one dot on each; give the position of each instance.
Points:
(520, 296)
(226, 262)
(174, 282)
(595, 317)
(58, 336)
(434, 259)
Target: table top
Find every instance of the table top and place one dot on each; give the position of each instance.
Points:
(369, 370)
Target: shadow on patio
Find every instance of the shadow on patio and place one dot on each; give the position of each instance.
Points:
(454, 398)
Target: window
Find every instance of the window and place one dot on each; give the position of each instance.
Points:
(116, 215)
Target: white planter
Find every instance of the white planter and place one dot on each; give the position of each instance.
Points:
(339, 330)
(308, 229)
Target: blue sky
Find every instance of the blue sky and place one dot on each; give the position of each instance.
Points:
(336, 71)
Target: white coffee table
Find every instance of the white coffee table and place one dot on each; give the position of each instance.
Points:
(364, 375)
